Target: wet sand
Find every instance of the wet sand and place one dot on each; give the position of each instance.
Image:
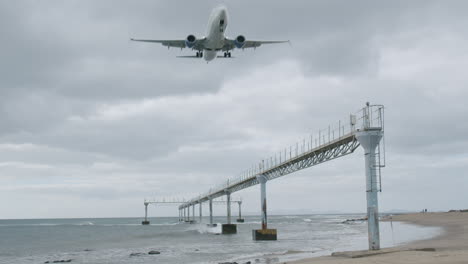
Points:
(449, 247)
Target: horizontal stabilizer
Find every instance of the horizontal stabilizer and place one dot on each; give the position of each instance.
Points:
(189, 57)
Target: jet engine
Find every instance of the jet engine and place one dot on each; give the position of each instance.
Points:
(239, 41)
(190, 41)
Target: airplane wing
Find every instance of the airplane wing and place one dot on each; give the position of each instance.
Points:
(196, 57)
(174, 43)
(254, 44)
(232, 44)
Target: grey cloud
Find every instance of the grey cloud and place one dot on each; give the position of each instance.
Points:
(98, 109)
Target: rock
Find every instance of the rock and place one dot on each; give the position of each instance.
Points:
(425, 249)
(136, 254)
(154, 252)
(60, 261)
(347, 221)
(197, 249)
(248, 262)
(227, 263)
(459, 211)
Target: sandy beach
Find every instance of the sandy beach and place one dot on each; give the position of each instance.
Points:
(449, 247)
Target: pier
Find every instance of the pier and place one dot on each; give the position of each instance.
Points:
(365, 128)
(184, 215)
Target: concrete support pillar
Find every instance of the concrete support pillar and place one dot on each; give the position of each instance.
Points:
(369, 140)
(146, 222)
(264, 233)
(228, 207)
(211, 212)
(193, 212)
(188, 213)
(200, 207)
(240, 219)
(262, 179)
(146, 212)
(229, 228)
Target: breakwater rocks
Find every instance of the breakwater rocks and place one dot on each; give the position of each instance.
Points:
(59, 261)
(152, 252)
(459, 211)
(349, 221)
(248, 262)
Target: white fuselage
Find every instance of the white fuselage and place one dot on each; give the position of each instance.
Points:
(215, 33)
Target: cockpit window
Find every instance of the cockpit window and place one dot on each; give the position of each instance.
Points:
(221, 22)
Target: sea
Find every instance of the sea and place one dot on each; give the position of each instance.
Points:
(113, 240)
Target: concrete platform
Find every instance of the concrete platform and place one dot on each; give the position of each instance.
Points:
(227, 229)
(145, 222)
(368, 253)
(264, 234)
(240, 220)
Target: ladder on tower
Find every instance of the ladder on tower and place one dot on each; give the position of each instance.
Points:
(380, 162)
(371, 119)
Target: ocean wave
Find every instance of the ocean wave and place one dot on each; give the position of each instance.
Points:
(38, 224)
(290, 252)
(82, 224)
(254, 222)
(290, 216)
(164, 224)
(86, 224)
(204, 229)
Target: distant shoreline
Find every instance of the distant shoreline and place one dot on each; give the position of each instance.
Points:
(451, 246)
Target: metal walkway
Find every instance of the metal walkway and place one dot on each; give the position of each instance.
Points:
(329, 147)
(328, 151)
(367, 126)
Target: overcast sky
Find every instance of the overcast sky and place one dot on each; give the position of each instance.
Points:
(92, 123)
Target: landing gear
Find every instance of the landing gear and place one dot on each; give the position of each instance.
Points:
(199, 54)
(227, 54)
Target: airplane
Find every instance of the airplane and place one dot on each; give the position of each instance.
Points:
(215, 40)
